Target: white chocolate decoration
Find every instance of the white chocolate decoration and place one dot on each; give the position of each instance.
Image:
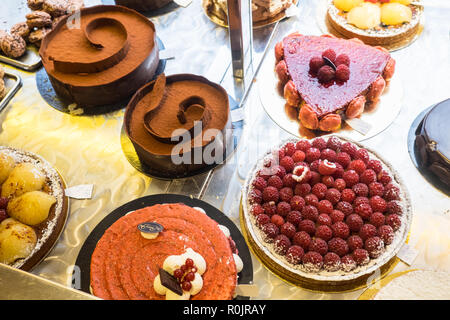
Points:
(150, 236)
(197, 284)
(199, 209)
(239, 263)
(199, 262)
(225, 230)
(172, 263)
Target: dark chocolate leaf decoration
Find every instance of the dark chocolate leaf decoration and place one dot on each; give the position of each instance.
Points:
(170, 282)
(330, 63)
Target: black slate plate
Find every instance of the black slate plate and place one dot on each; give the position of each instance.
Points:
(48, 93)
(83, 261)
(415, 158)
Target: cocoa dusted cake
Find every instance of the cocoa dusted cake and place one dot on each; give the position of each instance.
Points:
(179, 124)
(105, 59)
(432, 141)
(325, 212)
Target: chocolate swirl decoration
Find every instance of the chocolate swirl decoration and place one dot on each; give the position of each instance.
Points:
(104, 59)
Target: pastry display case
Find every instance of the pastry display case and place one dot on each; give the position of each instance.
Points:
(85, 115)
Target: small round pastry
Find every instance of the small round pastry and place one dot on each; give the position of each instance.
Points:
(2, 88)
(35, 4)
(37, 35)
(21, 29)
(55, 8)
(2, 72)
(38, 19)
(13, 46)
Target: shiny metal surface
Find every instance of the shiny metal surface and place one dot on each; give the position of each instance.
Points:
(87, 149)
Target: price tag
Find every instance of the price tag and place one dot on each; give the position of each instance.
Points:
(82, 191)
(183, 3)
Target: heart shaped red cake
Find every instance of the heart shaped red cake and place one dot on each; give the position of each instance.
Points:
(327, 78)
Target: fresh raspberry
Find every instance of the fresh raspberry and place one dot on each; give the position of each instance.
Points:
(354, 222)
(329, 54)
(255, 196)
(310, 212)
(345, 207)
(325, 74)
(319, 245)
(348, 263)
(342, 73)
(342, 59)
(315, 178)
(289, 149)
(394, 221)
(348, 195)
(340, 230)
(368, 176)
(324, 219)
(349, 148)
(376, 189)
(279, 171)
(324, 232)
(298, 156)
(319, 143)
(302, 239)
(277, 220)
(331, 262)
(270, 230)
(337, 216)
(270, 194)
(262, 219)
(281, 153)
(378, 204)
(276, 182)
(328, 154)
(391, 192)
(351, 178)
(333, 195)
(363, 155)
(264, 173)
(340, 184)
(394, 206)
(288, 181)
(326, 167)
(281, 244)
(314, 166)
(288, 229)
(301, 173)
(315, 64)
(339, 171)
(334, 143)
(260, 183)
(283, 208)
(375, 246)
(364, 210)
(375, 165)
(286, 194)
(312, 154)
(355, 242)
(325, 206)
(338, 246)
(386, 233)
(367, 231)
(256, 209)
(294, 217)
(360, 200)
(312, 261)
(343, 159)
(270, 208)
(361, 257)
(302, 189)
(384, 178)
(312, 200)
(377, 219)
(295, 254)
(297, 203)
(319, 190)
(308, 226)
(358, 165)
(328, 181)
(361, 190)
(303, 145)
(287, 163)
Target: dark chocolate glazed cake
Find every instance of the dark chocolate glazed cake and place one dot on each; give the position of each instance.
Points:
(432, 141)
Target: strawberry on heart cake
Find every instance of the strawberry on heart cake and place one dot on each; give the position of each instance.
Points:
(324, 211)
(329, 79)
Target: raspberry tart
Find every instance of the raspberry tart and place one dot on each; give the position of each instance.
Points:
(338, 215)
(329, 79)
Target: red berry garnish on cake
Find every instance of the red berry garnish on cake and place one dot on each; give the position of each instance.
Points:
(377, 219)
(324, 232)
(361, 190)
(376, 189)
(275, 181)
(262, 219)
(334, 143)
(315, 64)
(324, 219)
(279, 171)
(360, 200)
(358, 165)
(270, 208)
(281, 244)
(294, 217)
(326, 167)
(391, 192)
(308, 226)
(302, 239)
(342, 73)
(287, 163)
(190, 276)
(328, 154)
(368, 176)
(277, 220)
(288, 229)
(288, 181)
(314, 166)
(312, 154)
(339, 171)
(364, 210)
(394, 221)
(319, 190)
(260, 183)
(319, 245)
(354, 222)
(310, 212)
(330, 54)
(363, 155)
(384, 178)
(367, 231)
(375, 246)
(328, 181)
(298, 156)
(289, 148)
(361, 257)
(354, 242)
(394, 206)
(270, 194)
(348, 263)
(348, 195)
(326, 74)
(295, 254)
(331, 262)
(283, 208)
(297, 203)
(337, 216)
(343, 159)
(340, 184)
(178, 273)
(375, 165)
(378, 204)
(286, 194)
(256, 209)
(345, 207)
(186, 285)
(301, 174)
(312, 261)
(270, 230)
(302, 189)
(349, 148)
(341, 230)
(333, 195)
(303, 145)
(342, 59)
(315, 178)
(319, 143)
(312, 200)
(386, 233)
(255, 196)
(338, 246)
(350, 177)
(325, 206)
